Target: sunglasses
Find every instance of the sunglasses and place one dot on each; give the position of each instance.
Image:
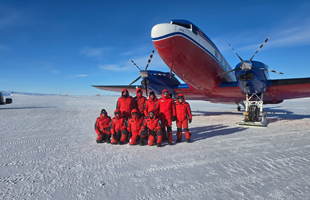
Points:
(117, 113)
(134, 113)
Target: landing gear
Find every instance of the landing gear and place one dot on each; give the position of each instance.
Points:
(254, 115)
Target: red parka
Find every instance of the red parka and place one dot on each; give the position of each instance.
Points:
(183, 110)
(134, 123)
(165, 106)
(118, 124)
(149, 105)
(152, 124)
(102, 123)
(139, 101)
(125, 105)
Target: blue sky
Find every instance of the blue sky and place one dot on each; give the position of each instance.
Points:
(60, 47)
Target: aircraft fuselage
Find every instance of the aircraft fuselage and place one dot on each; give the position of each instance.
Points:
(191, 54)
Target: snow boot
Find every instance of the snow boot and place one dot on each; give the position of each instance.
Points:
(188, 140)
(158, 144)
(120, 142)
(108, 139)
(141, 141)
(99, 141)
(178, 140)
(169, 143)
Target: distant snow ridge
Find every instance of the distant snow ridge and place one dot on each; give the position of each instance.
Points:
(11, 93)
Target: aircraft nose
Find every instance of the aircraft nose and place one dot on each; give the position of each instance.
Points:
(161, 30)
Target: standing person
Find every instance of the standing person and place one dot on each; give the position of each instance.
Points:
(118, 128)
(102, 127)
(125, 104)
(150, 103)
(165, 107)
(140, 101)
(184, 116)
(153, 125)
(134, 127)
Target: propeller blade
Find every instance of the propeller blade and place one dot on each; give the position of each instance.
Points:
(227, 72)
(145, 87)
(269, 70)
(272, 71)
(259, 48)
(235, 52)
(135, 64)
(148, 62)
(135, 81)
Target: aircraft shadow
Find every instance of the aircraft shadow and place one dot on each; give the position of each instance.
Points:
(274, 115)
(207, 113)
(204, 132)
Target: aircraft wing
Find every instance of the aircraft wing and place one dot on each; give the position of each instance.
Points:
(282, 89)
(118, 88)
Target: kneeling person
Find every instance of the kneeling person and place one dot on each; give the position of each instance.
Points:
(102, 127)
(118, 128)
(153, 125)
(134, 127)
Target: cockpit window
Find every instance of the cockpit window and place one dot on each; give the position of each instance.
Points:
(188, 26)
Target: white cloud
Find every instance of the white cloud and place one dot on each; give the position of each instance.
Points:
(115, 68)
(81, 75)
(3, 47)
(94, 52)
(288, 34)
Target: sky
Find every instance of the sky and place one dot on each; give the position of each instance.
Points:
(58, 47)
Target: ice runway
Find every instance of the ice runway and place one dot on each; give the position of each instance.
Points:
(48, 151)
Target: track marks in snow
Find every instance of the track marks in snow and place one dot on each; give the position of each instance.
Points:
(36, 141)
(41, 151)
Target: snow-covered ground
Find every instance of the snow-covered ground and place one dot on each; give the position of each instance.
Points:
(48, 151)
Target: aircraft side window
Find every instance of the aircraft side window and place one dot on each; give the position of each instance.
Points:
(194, 30)
(216, 54)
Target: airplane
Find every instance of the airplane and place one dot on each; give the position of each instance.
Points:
(195, 59)
(6, 101)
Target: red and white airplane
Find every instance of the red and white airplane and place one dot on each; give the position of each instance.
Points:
(195, 59)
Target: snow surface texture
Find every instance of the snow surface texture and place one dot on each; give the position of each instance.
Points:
(48, 151)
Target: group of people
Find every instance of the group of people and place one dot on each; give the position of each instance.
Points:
(140, 119)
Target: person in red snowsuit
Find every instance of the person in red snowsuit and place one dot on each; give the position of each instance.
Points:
(102, 127)
(150, 103)
(184, 116)
(125, 104)
(118, 128)
(134, 127)
(153, 125)
(166, 109)
(140, 102)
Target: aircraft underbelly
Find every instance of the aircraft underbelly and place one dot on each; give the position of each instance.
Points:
(189, 62)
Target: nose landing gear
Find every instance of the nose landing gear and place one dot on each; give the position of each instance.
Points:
(254, 115)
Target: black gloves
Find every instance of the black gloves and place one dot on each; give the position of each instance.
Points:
(153, 133)
(190, 121)
(174, 118)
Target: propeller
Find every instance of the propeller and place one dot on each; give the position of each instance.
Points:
(247, 64)
(143, 73)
